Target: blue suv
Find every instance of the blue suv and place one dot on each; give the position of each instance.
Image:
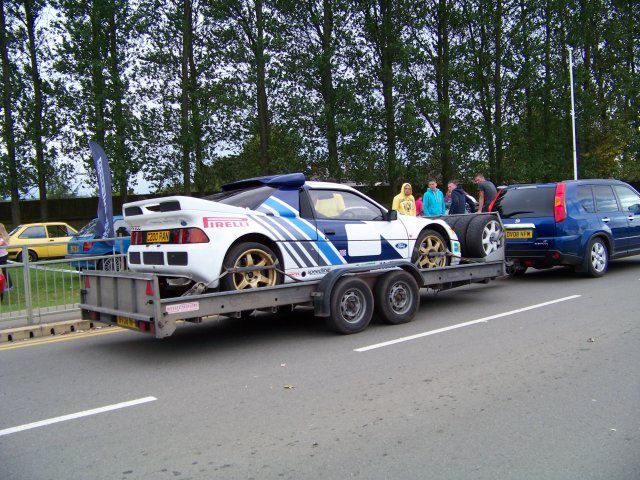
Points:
(579, 223)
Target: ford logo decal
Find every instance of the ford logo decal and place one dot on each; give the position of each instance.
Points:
(400, 246)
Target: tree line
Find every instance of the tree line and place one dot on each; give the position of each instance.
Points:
(191, 94)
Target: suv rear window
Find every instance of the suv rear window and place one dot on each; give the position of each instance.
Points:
(526, 202)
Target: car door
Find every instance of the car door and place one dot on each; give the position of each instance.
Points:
(58, 237)
(609, 214)
(630, 204)
(356, 228)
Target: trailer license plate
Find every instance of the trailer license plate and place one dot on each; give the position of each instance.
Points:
(126, 322)
(74, 248)
(519, 233)
(158, 237)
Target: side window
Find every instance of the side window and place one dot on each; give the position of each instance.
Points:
(56, 231)
(629, 199)
(585, 198)
(341, 205)
(34, 232)
(605, 199)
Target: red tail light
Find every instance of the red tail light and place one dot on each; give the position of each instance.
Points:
(494, 201)
(136, 238)
(86, 246)
(188, 235)
(559, 203)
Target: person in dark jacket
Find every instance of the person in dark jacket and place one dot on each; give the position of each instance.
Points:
(458, 199)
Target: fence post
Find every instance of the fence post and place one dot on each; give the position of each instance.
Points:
(27, 285)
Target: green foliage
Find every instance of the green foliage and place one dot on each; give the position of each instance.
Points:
(366, 90)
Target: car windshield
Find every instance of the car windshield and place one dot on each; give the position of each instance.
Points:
(89, 228)
(526, 202)
(246, 197)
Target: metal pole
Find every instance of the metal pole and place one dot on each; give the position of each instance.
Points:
(573, 117)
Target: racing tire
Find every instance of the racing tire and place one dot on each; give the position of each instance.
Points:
(597, 258)
(351, 306)
(460, 226)
(250, 254)
(397, 297)
(430, 250)
(483, 237)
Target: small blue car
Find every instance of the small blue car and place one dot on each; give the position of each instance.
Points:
(84, 245)
(577, 223)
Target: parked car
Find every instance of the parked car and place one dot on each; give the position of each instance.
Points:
(44, 240)
(270, 230)
(579, 223)
(85, 244)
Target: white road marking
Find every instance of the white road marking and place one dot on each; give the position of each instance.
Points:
(73, 416)
(465, 324)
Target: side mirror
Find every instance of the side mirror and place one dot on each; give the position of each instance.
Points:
(635, 208)
(391, 215)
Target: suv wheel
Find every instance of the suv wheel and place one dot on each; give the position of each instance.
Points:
(597, 258)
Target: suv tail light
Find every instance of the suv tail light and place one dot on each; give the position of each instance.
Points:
(493, 202)
(559, 203)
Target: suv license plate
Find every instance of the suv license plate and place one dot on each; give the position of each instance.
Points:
(519, 234)
(158, 237)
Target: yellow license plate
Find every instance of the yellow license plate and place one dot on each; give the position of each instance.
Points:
(74, 248)
(158, 237)
(519, 233)
(126, 322)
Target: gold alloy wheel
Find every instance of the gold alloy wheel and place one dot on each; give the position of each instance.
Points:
(254, 257)
(430, 244)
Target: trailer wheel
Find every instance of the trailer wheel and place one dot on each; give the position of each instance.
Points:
(397, 297)
(430, 250)
(351, 306)
(250, 254)
(483, 237)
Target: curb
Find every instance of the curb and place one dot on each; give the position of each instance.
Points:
(45, 329)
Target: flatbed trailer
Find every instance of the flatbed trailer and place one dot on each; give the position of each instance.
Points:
(346, 297)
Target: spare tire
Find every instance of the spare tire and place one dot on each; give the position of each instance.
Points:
(460, 226)
(484, 236)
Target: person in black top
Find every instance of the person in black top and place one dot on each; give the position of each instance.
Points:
(458, 199)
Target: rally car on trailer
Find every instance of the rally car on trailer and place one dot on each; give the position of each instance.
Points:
(276, 229)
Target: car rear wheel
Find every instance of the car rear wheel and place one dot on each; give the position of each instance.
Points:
(250, 265)
(111, 264)
(33, 256)
(430, 250)
(597, 258)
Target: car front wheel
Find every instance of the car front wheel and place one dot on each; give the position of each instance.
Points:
(249, 265)
(430, 250)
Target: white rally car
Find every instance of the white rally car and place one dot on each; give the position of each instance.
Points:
(277, 229)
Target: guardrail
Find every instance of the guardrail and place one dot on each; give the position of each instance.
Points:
(48, 290)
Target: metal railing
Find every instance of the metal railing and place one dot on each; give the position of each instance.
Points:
(45, 291)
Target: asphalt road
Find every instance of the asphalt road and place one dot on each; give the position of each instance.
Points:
(526, 378)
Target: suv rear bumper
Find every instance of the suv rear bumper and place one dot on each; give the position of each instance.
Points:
(541, 259)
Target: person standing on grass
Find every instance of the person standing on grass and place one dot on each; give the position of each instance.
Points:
(4, 256)
(433, 200)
